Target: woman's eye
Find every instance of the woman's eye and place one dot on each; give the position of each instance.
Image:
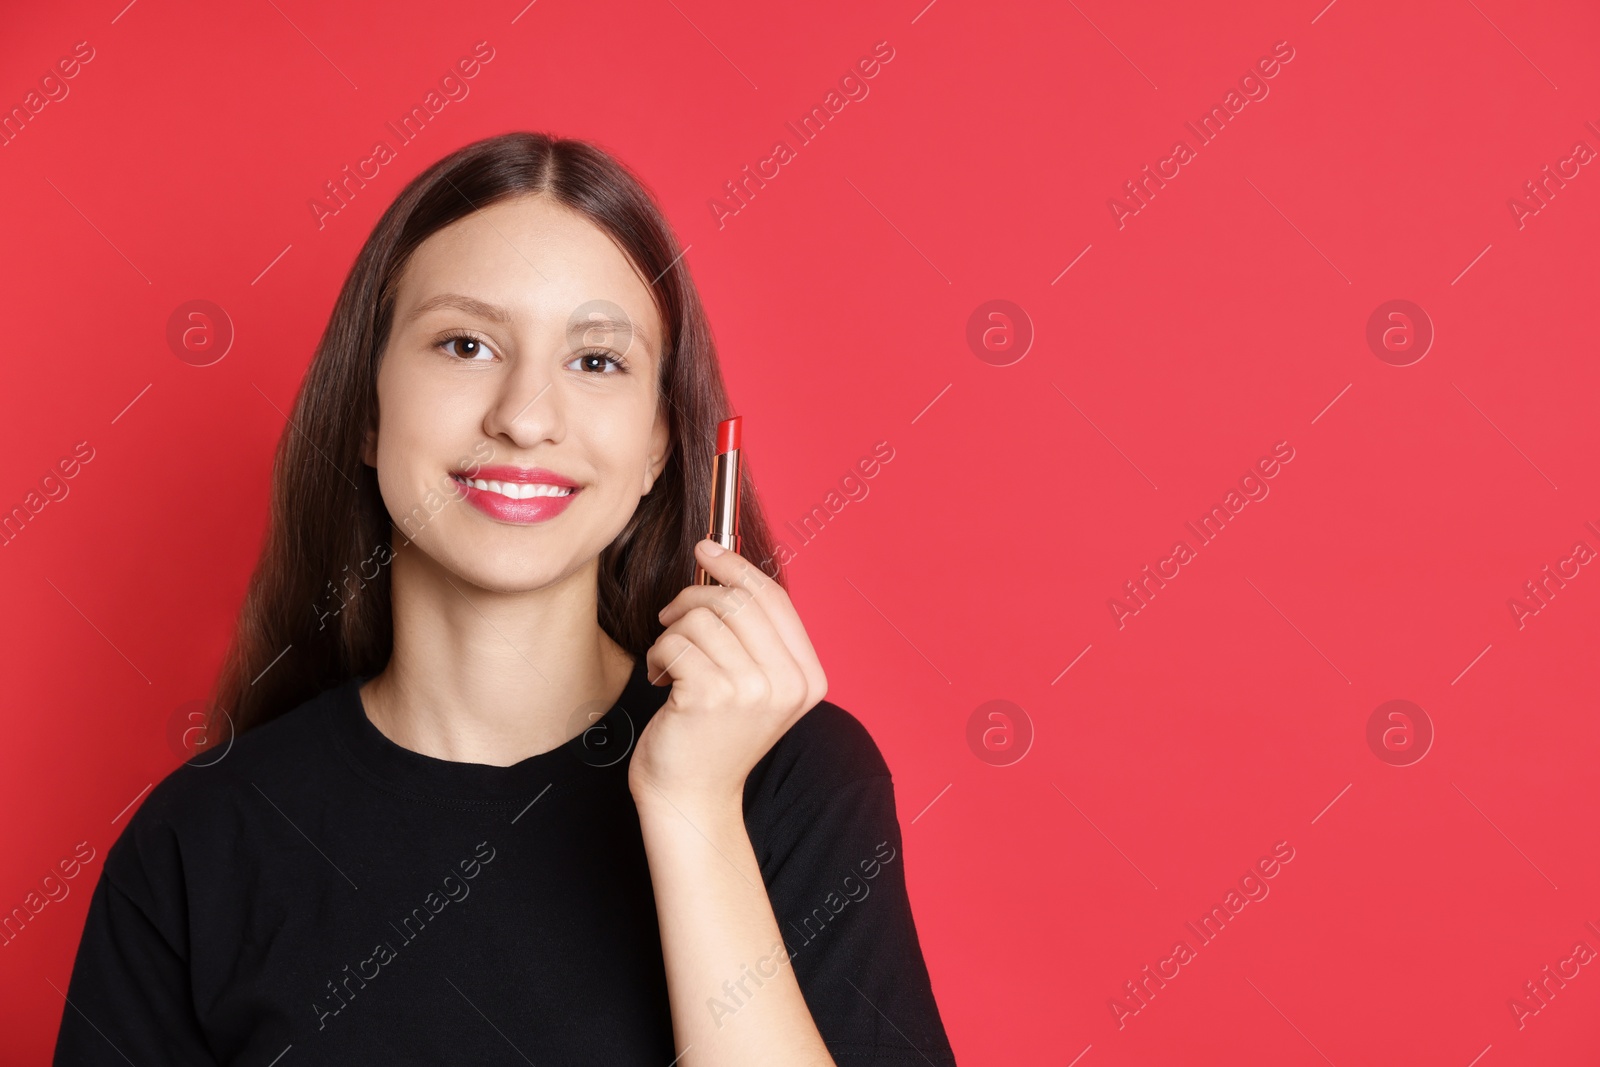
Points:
(467, 349)
(599, 362)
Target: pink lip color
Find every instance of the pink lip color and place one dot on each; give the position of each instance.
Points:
(532, 510)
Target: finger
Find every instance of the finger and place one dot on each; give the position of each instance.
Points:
(740, 582)
(708, 665)
(740, 608)
(745, 581)
(724, 600)
(779, 687)
(720, 644)
(673, 658)
(753, 625)
(733, 570)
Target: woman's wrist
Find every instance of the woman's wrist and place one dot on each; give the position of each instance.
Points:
(702, 808)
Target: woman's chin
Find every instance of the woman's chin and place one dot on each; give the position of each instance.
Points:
(510, 572)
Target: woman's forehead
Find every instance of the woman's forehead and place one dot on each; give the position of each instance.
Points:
(534, 262)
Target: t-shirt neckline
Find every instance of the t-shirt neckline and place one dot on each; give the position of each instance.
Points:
(601, 749)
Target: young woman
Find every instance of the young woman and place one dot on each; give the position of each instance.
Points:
(490, 780)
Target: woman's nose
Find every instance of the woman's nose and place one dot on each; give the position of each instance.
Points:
(527, 406)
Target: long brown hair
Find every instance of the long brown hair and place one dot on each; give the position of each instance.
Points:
(313, 616)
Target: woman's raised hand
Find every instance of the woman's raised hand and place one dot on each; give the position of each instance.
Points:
(742, 670)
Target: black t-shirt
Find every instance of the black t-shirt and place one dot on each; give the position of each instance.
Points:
(321, 895)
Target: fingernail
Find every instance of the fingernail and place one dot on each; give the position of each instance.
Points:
(713, 548)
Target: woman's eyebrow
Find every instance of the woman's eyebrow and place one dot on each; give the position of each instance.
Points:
(497, 314)
(483, 310)
(609, 330)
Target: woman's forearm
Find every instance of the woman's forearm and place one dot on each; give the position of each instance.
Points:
(734, 997)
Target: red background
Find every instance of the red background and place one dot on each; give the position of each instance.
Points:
(1224, 317)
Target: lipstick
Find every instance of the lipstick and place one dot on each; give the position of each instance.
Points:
(724, 529)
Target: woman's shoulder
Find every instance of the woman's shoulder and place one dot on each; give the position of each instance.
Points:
(200, 803)
(826, 750)
(233, 759)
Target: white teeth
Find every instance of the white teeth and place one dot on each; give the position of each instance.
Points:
(516, 490)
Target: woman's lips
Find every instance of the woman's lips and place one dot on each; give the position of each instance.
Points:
(524, 511)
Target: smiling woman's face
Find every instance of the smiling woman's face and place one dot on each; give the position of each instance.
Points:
(518, 375)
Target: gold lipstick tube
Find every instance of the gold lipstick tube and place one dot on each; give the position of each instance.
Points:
(724, 509)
